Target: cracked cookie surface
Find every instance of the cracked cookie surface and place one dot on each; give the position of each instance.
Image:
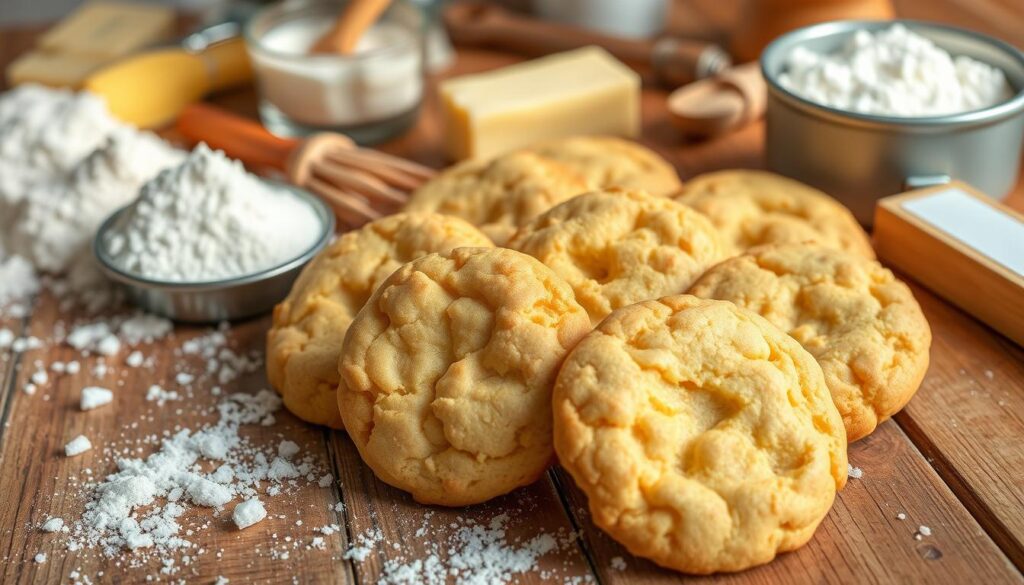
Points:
(448, 371)
(305, 339)
(617, 247)
(862, 324)
(704, 437)
(499, 195)
(751, 208)
(606, 161)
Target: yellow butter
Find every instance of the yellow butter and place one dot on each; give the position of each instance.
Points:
(585, 91)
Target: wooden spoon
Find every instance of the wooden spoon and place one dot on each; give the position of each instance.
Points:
(717, 105)
(357, 17)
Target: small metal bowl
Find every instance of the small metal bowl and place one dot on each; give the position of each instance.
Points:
(218, 300)
(859, 158)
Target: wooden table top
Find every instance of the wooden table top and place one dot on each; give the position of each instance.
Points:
(953, 460)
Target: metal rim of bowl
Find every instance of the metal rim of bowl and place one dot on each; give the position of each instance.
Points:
(787, 42)
(322, 211)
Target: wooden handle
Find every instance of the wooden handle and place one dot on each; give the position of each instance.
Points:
(486, 25)
(238, 137)
(357, 17)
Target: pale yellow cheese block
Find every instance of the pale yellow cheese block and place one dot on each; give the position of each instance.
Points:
(109, 29)
(585, 91)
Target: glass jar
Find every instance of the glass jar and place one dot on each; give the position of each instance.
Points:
(370, 95)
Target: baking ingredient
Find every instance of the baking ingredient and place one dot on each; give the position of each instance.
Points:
(18, 279)
(139, 506)
(110, 29)
(95, 397)
(586, 91)
(44, 132)
(894, 72)
(65, 164)
(77, 446)
(248, 513)
(52, 525)
(56, 221)
(208, 219)
(380, 81)
(90, 37)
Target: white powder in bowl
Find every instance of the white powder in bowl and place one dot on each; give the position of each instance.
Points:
(894, 72)
(208, 219)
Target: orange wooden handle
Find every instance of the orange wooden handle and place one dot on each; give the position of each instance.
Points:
(238, 137)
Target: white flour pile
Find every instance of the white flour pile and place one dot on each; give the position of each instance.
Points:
(65, 164)
(17, 279)
(55, 223)
(894, 72)
(209, 219)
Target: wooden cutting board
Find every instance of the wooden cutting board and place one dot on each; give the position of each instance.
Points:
(953, 460)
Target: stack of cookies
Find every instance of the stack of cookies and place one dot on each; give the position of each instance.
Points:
(696, 356)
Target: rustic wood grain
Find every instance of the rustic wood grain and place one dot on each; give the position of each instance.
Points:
(952, 462)
(968, 419)
(40, 482)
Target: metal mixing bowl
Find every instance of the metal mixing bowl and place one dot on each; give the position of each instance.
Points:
(858, 158)
(220, 300)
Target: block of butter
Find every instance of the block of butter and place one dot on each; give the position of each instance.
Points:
(109, 29)
(585, 91)
(961, 244)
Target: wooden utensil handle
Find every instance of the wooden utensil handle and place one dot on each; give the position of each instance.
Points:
(492, 26)
(238, 137)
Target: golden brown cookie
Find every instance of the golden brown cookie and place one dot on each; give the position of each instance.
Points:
(861, 323)
(617, 247)
(752, 208)
(704, 437)
(304, 342)
(606, 161)
(500, 195)
(448, 372)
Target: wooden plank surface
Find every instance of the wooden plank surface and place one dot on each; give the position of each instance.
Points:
(951, 461)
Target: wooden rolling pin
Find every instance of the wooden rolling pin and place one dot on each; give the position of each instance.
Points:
(674, 61)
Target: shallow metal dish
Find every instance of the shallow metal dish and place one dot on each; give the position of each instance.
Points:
(220, 300)
(858, 158)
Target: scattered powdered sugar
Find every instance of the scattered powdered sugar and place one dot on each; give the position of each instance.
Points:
(77, 446)
(477, 553)
(248, 513)
(52, 525)
(618, 563)
(95, 397)
(139, 507)
(854, 472)
(40, 558)
(209, 219)
(922, 531)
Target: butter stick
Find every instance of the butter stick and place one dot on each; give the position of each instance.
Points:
(961, 244)
(108, 30)
(585, 91)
